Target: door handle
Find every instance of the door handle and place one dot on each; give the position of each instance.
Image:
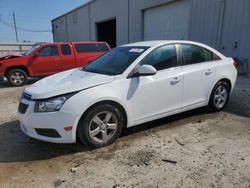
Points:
(175, 80)
(56, 59)
(208, 72)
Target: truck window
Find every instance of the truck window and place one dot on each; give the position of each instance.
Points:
(66, 49)
(48, 51)
(103, 47)
(85, 48)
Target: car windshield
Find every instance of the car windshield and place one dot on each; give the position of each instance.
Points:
(115, 62)
(28, 52)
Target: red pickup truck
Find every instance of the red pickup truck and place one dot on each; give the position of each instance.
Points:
(49, 58)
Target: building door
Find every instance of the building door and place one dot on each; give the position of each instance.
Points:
(106, 32)
(167, 22)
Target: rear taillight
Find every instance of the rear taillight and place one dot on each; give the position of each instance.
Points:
(235, 64)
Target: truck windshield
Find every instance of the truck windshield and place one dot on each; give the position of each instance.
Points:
(115, 62)
(31, 50)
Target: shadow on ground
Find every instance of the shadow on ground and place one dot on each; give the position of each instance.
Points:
(239, 102)
(4, 84)
(17, 147)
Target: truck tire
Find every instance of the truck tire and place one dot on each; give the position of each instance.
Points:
(17, 77)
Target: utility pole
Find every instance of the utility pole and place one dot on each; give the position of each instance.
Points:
(14, 20)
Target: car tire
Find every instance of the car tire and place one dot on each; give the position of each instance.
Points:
(100, 126)
(219, 97)
(17, 77)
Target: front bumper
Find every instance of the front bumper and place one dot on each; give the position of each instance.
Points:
(31, 121)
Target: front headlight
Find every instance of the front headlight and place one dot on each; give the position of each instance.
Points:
(52, 104)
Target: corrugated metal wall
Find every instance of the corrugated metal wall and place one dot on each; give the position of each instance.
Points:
(103, 10)
(78, 25)
(222, 24)
(205, 21)
(60, 29)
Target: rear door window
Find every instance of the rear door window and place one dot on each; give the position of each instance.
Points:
(66, 49)
(193, 54)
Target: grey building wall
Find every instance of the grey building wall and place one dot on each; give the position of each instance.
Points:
(205, 21)
(222, 24)
(59, 29)
(78, 25)
(104, 10)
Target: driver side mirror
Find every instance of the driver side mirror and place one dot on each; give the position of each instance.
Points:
(147, 70)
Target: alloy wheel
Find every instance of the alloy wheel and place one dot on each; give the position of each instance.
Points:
(220, 97)
(103, 126)
(17, 78)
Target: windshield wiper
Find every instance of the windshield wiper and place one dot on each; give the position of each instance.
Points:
(97, 71)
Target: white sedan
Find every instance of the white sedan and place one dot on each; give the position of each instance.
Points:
(130, 85)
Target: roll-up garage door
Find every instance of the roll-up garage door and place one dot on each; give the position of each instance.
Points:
(167, 22)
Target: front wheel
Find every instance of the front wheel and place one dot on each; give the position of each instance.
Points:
(17, 77)
(101, 126)
(219, 97)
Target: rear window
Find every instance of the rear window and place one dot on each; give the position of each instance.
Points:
(84, 48)
(103, 47)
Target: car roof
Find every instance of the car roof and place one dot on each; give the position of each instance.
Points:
(156, 43)
(160, 42)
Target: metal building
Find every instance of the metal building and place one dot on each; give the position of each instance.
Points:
(222, 24)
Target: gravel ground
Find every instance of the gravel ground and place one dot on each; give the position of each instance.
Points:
(193, 149)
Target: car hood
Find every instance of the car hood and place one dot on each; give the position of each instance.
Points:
(6, 57)
(66, 82)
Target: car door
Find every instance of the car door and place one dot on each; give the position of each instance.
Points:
(198, 72)
(157, 95)
(47, 61)
(67, 57)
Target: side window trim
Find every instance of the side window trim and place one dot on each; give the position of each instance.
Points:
(179, 55)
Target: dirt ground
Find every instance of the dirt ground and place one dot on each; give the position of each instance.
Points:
(194, 149)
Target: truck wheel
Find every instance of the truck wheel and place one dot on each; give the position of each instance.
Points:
(101, 126)
(17, 77)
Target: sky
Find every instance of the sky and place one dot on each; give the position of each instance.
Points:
(35, 15)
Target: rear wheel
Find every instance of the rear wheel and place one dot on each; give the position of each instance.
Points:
(17, 77)
(219, 97)
(101, 126)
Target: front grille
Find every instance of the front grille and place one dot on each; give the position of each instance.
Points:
(26, 96)
(22, 108)
(48, 133)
